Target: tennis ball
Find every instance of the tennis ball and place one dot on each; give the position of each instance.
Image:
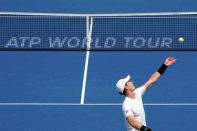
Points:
(181, 39)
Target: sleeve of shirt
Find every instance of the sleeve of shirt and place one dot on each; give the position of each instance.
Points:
(140, 90)
(127, 111)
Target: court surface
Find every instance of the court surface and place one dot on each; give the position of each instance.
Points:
(41, 91)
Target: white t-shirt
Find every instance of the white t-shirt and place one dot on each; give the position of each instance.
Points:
(135, 108)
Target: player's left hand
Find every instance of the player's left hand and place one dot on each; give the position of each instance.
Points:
(170, 60)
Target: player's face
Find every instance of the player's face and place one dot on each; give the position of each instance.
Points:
(130, 85)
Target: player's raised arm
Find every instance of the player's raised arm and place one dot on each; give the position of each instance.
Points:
(155, 76)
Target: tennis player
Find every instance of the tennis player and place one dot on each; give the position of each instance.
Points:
(133, 106)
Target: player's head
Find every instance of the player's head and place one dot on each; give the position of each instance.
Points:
(124, 85)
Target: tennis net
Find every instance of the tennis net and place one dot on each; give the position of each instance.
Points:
(98, 32)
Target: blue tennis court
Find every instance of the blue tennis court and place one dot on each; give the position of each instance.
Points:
(51, 81)
(56, 78)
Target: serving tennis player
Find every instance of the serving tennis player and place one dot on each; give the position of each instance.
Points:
(133, 106)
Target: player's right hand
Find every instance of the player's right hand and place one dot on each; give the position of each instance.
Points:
(145, 128)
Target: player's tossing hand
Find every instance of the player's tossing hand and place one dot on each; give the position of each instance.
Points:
(169, 61)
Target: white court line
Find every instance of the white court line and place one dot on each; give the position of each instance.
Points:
(84, 15)
(84, 77)
(93, 104)
(89, 23)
